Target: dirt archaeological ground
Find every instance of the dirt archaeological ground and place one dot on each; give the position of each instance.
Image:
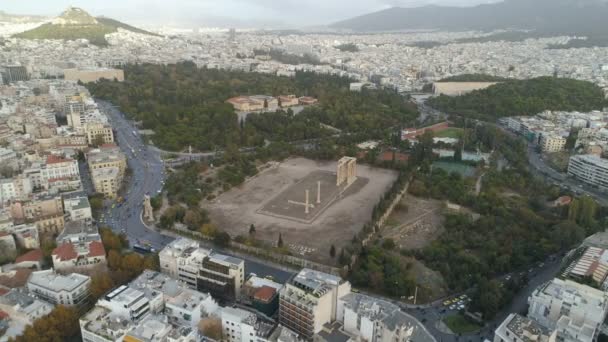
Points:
(274, 201)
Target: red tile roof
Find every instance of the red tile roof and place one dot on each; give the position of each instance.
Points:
(3, 291)
(3, 315)
(265, 293)
(96, 249)
(53, 159)
(65, 252)
(18, 279)
(35, 255)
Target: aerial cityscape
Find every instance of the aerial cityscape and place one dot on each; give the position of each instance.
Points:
(261, 171)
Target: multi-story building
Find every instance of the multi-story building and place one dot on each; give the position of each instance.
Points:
(108, 166)
(239, 325)
(574, 310)
(78, 208)
(590, 169)
(107, 181)
(98, 132)
(79, 246)
(262, 294)
(550, 143)
(517, 328)
(152, 302)
(376, 320)
(157, 328)
(310, 300)
(74, 111)
(72, 289)
(23, 307)
(27, 236)
(59, 168)
(13, 73)
(202, 269)
(107, 157)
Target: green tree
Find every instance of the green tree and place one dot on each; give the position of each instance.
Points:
(222, 239)
(280, 241)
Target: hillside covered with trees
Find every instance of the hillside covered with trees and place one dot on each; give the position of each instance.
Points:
(524, 97)
(186, 106)
(75, 24)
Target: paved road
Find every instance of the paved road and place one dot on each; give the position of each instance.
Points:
(148, 177)
(430, 316)
(537, 161)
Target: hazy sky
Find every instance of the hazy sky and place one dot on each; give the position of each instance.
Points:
(240, 13)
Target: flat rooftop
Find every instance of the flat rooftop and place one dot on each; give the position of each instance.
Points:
(55, 282)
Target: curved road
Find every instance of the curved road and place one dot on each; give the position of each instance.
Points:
(148, 177)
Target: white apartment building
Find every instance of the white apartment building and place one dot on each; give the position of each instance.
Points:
(72, 289)
(153, 307)
(550, 142)
(376, 320)
(202, 269)
(590, 169)
(18, 187)
(239, 325)
(517, 328)
(310, 300)
(574, 310)
(78, 208)
(60, 168)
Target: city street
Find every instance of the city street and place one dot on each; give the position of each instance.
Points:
(550, 175)
(147, 177)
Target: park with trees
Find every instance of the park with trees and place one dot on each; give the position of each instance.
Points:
(182, 103)
(523, 98)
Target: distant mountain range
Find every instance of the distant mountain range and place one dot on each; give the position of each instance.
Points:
(75, 23)
(572, 17)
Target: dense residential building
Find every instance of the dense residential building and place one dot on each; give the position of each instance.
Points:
(590, 169)
(550, 143)
(376, 320)
(72, 289)
(107, 157)
(26, 235)
(23, 308)
(239, 325)
(517, 328)
(79, 247)
(202, 269)
(13, 73)
(152, 303)
(96, 132)
(262, 294)
(310, 300)
(574, 310)
(77, 207)
(107, 181)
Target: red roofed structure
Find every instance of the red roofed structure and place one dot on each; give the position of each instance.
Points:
(265, 294)
(53, 159)
(34, 256)
(81, 255)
